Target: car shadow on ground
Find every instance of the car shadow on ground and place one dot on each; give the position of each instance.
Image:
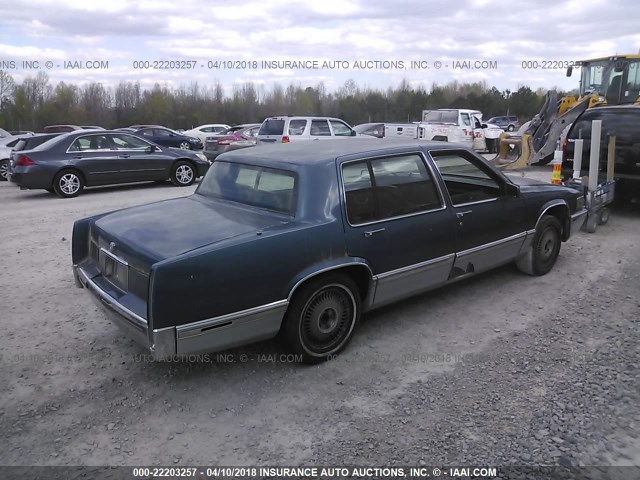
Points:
(38, 194)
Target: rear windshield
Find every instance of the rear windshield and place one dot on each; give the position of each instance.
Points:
(261, 187)
(436, 116)
(272, 126)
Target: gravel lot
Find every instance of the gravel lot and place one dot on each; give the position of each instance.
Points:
(502, 369)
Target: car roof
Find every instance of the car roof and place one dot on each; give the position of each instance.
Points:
(301, 153)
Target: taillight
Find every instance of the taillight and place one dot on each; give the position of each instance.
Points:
(24, 161)
(285, 139)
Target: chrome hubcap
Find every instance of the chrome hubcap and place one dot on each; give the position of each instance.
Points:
(184, 174)
(548, 244)
(69, 183)
(184, 146)
(3, 169)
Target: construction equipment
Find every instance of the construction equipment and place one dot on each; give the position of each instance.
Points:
(603, 81)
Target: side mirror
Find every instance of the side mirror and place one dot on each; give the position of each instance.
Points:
(569, 70)
(151, 149)
(511, 190)
(353, 133)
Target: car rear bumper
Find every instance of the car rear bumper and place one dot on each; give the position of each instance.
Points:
(210, 335)
(161, 343)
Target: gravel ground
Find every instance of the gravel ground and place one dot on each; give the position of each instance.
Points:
(502, 369)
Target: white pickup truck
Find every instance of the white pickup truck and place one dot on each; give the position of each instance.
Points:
(460, 126)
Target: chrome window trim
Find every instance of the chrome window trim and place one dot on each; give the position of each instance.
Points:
(415, 266)
(110, 134)
(195, 328)
(419, 152)
(134, 318)
(475, 203)
(491, 244)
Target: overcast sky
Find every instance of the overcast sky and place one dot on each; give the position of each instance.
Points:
(505, 32)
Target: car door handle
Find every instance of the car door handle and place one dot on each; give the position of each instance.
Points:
(462, 214)
(370, 233)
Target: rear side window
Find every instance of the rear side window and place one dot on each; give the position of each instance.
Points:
(388, 187)
(319, 128)
(296, 127)
(272, 126)
(266, 188)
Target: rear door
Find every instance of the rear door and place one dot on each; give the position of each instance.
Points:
(320, 130)
(396, 219)
(490, 221)
(96, 157)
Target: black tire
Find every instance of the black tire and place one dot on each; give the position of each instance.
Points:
(591, 224)
(185, 145)
(511, 128)
(4, 165)
(322, 317)
(183, 174)
(68, 183)
(545, 248)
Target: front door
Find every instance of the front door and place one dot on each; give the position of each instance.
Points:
(139, 161)
(396, 219)
(490, 226)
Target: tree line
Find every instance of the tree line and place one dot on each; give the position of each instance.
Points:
(35, 102)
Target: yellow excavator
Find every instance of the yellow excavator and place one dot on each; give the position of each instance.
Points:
(603, 81)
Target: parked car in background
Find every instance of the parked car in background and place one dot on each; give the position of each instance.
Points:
(295, 129)
(4, 133)
(621, 121)
(169, 138)
(204, 131)
(91, 127)
(60, 128)
(239, 136)
(301, 241)
(508, 123)
(69, 162)
(11, 141)
(5, 158)
(20, 132)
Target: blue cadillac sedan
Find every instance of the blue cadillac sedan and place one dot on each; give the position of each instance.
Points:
(301, 240)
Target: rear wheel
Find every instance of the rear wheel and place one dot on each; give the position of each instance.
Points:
(4, 166)
(68, 184)
(183, 174)
(544, 250)
(511, 128)
(322, 317)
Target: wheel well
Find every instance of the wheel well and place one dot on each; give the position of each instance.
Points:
(561, 213)
(360, 274)
(189, 161)
(70, 169)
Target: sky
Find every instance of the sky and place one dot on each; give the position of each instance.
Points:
(373, 42)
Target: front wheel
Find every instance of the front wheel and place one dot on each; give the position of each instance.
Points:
(4, 167)
(544, 250)
(511, 128)
(68, 184)
(322, 317)
(185, 145)
(183, 174)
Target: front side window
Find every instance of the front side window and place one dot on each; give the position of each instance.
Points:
(466, 121)
(466, 181)
(340, 129)
(261, 187)
(388, 187)
(128, 142)
(159, 132)
(91, 142)
(320, 128)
